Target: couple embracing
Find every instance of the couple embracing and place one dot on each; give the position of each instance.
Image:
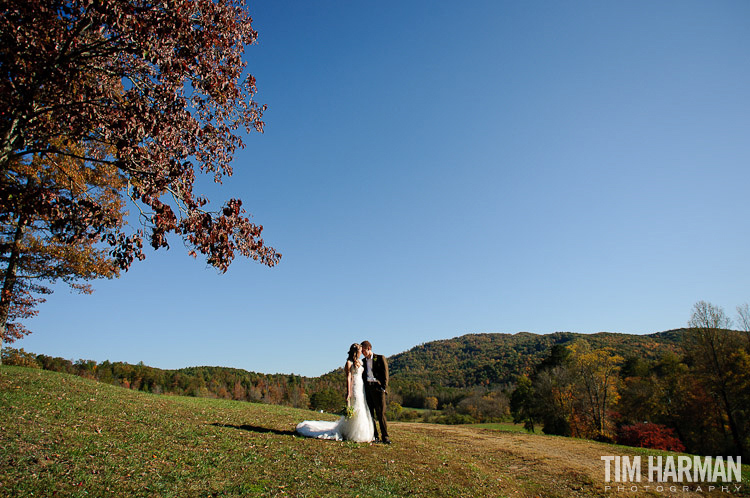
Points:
(366, 387)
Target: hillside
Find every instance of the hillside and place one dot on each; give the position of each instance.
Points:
(451, 365)
(481, 359)
(69, 436)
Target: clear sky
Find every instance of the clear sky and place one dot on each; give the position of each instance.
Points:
(432, 169)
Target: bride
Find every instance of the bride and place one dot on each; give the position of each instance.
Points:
(357, 424)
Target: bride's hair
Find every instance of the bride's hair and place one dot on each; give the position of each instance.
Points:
(354, 350)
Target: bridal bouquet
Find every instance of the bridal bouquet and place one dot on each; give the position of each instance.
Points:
(348, 412)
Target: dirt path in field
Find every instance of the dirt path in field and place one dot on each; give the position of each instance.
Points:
(564, 465)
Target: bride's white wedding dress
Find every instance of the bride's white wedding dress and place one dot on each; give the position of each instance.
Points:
(358, 428)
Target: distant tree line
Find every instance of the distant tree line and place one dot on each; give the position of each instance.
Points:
(325, 393)
(209, 382)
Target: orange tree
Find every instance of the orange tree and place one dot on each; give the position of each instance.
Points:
(41, 248)
(597, 375)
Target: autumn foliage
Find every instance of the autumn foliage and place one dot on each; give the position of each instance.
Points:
(654, 436)
(60, 241)
(134, 98)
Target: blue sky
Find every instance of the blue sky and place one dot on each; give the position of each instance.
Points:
(431, 169)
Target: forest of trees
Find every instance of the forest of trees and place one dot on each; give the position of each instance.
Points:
(694, 399)
(685, 390)
(209, 382)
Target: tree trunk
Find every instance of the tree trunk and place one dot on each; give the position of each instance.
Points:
(733, 426)
(9, 282)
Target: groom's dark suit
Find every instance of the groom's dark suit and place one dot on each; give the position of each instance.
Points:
(375, 392)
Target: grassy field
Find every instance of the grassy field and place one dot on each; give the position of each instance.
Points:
(62, 435)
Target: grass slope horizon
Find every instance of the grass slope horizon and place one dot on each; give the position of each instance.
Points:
(70, 436)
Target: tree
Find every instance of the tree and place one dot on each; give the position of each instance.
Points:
(597, 372)
(47, 246)
(743, 319)
(523, 403)
(155, 89)
(489, 407)
(547, 395)
(328, 399)
(431, 403)
(556, 401)
(712, 348)
(393, 412)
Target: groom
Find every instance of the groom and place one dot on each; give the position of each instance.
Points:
(375, 375)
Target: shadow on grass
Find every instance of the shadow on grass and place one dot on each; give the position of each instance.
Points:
(254, 428)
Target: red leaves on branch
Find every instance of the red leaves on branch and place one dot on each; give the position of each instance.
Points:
(232, 232)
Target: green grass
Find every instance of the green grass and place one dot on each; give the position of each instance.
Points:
(81, 438)
(66, 436)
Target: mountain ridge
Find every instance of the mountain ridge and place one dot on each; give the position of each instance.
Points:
(672, 336)
(495, 358)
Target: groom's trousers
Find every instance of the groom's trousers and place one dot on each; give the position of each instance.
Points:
(376, 402)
